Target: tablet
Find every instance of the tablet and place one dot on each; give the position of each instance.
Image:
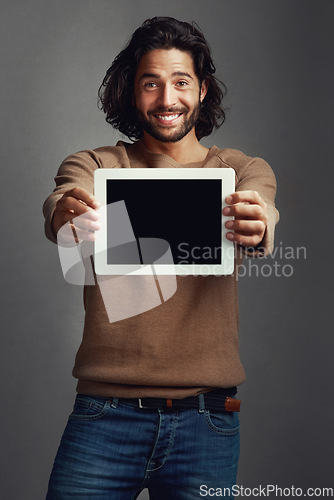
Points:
(163, 221)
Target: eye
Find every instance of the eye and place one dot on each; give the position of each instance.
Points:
(150, 85)
(182, 83)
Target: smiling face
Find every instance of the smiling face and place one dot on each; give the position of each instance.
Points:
(167, 94)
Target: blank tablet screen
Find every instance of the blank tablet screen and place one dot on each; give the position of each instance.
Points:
(187, 213)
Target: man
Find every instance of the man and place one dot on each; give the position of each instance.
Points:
(155, 391)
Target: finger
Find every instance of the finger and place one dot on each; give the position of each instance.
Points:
(71, 235)
(252, 197)
(77, 207)
(246, 227)
(244, 240)
(85, 223)
(81, 194)
(245, 212)
(81, 234)
(81, 222)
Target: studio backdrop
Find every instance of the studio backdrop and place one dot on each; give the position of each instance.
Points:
(276, 59)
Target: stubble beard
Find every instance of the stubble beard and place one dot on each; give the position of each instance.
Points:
(167, 136)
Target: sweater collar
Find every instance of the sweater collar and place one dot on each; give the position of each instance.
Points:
(158, 160)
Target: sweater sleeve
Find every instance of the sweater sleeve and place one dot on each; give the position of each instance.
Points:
(76, 170)
(257, 175)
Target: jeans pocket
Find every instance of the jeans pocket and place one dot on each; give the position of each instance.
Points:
(225, 423)
(89, 408)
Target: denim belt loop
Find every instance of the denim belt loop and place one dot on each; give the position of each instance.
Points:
(201, 404)
(114, 403)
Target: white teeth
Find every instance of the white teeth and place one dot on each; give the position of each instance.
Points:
(167, 118)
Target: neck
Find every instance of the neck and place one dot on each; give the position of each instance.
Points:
(187, 150)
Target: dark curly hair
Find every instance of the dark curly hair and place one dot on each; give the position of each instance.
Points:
(117, 89)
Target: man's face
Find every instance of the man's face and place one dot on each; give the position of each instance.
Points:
(167, 94)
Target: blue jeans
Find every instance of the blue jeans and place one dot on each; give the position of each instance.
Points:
(112, 450)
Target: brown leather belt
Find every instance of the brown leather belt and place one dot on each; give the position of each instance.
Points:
(218, 400)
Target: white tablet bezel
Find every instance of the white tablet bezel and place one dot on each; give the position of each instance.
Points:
(101, 175)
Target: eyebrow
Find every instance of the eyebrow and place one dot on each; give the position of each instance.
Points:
(154, 75)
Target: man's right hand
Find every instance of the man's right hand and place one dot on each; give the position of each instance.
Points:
(74, 203)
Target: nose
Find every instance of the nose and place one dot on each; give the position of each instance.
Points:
(167, 96)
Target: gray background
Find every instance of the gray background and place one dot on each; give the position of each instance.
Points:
(276, 59)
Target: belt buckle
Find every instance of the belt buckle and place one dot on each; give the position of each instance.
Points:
(140, 403)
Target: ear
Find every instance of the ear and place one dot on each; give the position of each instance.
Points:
(204, 90)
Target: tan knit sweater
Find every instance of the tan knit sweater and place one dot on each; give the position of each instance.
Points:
(187, 345)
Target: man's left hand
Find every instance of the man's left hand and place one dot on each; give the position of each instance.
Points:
(251, 217)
